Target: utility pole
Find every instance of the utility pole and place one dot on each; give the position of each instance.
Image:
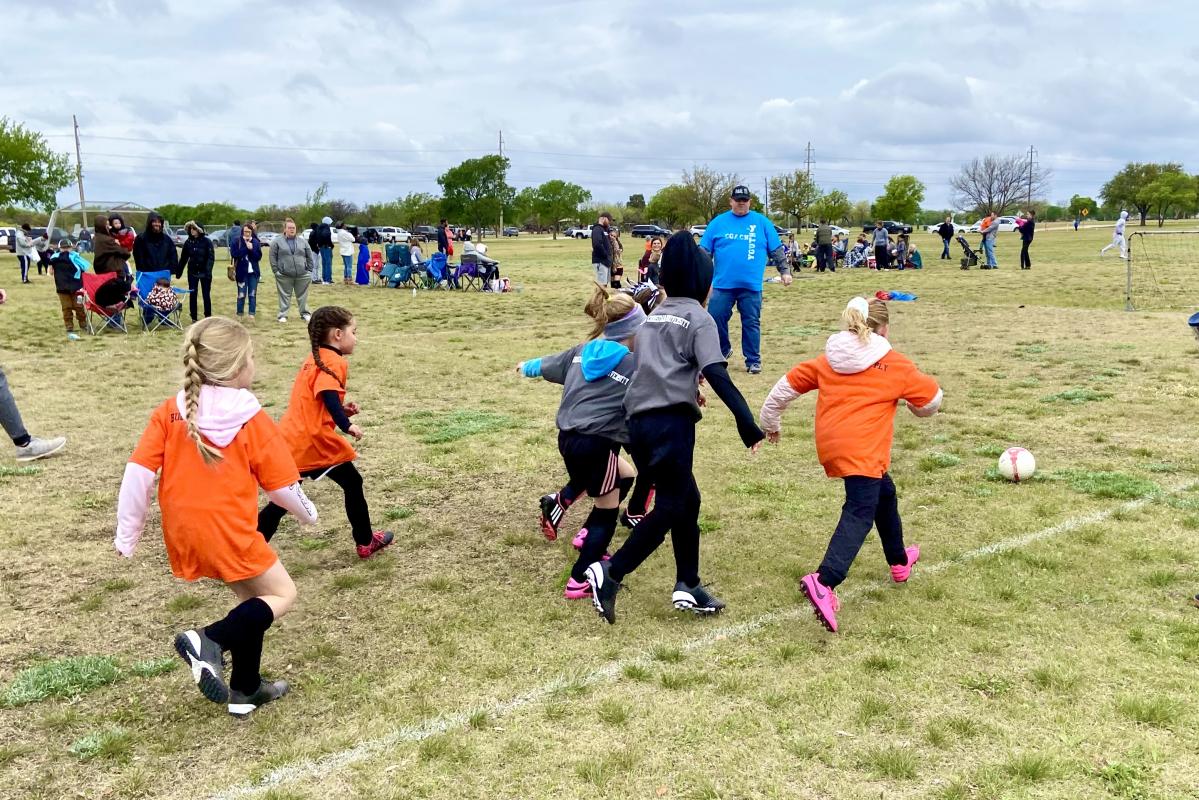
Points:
(1032, 153)
(79, 171)
(499, 232)
(766, 196)
(808, 159)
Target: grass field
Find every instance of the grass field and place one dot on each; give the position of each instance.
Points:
(1043, 648)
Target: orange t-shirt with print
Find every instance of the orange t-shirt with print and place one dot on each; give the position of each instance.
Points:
(310, 432)
(855, 413)
(210, 511)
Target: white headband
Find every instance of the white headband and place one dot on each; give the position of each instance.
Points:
(860, 304)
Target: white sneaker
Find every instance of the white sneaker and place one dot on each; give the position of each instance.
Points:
(306, 317)
(282, 319)
(40, 448)
(74, 337)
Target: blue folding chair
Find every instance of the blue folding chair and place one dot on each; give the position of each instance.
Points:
(153, 318)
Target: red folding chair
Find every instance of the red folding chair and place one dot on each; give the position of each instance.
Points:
(113, 316)
(375, 267)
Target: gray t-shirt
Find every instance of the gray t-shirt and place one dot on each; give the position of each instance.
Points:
(676, 342)
(593, 407)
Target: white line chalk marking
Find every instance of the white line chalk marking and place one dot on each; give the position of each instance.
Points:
(317, 768)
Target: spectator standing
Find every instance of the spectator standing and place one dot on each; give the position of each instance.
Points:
(247, 254)
(85, 240)
(946, 230)
(601, 249)
(29, 448)
(306, 236)
(41, 246)
(824, 247)
(988, 228)
(740, 242)
(617, 258)
(650, 267)
(198, 256)
(291, 262)
(1027, 223)
(443, 238)
(323, 237)
(154, 251)
(882, 246)
(24, 250)
(346, 247)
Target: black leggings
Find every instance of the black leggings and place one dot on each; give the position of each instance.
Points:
(350, 481)
(1025, 261)
(869, 503)
(202, 283)
(663, 448)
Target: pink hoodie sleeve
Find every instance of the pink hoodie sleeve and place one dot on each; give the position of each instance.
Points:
(771, 417)
(132, 505)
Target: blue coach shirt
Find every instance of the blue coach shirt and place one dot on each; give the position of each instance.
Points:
(740, 247)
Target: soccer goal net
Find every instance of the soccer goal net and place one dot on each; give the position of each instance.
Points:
(1163, 271)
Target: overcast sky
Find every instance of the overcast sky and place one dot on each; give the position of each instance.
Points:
(260, 102)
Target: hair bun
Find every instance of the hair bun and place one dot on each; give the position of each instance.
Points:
(860, 305)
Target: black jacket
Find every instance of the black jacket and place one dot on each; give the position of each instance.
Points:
(155, 251)
(64, 269)
(198, 256)
(443, 240)
(946, 231)
(1027, 230)
(321, 237)
(601, 246)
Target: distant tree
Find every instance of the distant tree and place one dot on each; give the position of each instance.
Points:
(30, 172)
(555, 200)
(901, 198)
(476, 189)
(340, 209)
(419, 208)
(794, 194)
(636, 201)
(670, 205)
(1079, 203)
(1052, 213)
(1124, 188)
(524, 209)
(833, 206)
(1168, 193)
(860, 213)
(708, 191)
(997, 184)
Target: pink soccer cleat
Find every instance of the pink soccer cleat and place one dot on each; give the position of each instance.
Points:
(579, 539)
(824, 600)
(576, 590)
(379, 540)
(900, 572)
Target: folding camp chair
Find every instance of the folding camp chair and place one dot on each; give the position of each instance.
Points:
(375, 268)
(437, 271)
(113, 316)
(468, 271)
(152, 317)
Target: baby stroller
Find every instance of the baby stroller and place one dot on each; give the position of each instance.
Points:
(969, 257)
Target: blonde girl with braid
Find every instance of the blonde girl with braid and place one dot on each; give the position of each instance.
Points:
(315, 413)
(214, 447)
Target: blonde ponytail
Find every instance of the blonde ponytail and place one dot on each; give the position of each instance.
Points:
(604, 308)
(862, 317)
(215, 351)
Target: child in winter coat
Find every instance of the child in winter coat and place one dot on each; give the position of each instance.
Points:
(68, 280)
(860, 380)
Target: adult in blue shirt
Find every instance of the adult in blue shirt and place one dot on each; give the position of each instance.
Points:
(740, 242)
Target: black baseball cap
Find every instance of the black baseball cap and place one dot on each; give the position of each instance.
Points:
(740, 192)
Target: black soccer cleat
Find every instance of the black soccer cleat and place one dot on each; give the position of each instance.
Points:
(603, 591)
(551, 515)
(695, 599)
(203, 657)
(243, 705)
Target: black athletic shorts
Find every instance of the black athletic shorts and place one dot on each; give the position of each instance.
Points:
(591, 461)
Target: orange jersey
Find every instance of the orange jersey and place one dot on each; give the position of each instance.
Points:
(210, 511)
(310, 432)
(855, 413)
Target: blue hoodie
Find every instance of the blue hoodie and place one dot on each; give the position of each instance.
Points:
(594, 377)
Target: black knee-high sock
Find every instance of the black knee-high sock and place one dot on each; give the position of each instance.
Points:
(640, 497)
(625, 485)
(268, 520)
(241, 632)
(568, 494)
(601, 525)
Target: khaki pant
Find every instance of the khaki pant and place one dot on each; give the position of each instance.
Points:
(72, 303)
(286, 285)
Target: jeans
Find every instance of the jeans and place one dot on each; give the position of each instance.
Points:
(989, 249)
(199, 284)
(327, 264)
(749, 305)
(869, 502)
(663, 449)
(315, 275)
(10, 417)
(249, 289)
(348, 267)
(24, 262)
(286, 285)
(85, 246)
(603, 274)
(349, 479)
(944, 248)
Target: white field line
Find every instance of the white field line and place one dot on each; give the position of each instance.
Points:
(317, 768)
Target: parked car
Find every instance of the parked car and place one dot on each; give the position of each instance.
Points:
(957, 228)
(489, 232)
(178, 236)
(1006, 225)
(510, 231)
(8, 239)
(390, 234)
(891, 226)
(266, 237)
(427, 231)
(645, 231)
(698, 230)
(56, 235)
(578, 233)
(782, 232)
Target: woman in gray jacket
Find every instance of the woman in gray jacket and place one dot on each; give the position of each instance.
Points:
(291, 261)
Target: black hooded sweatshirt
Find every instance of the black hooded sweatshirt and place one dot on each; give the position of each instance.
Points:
(154, 251)
(687, 272)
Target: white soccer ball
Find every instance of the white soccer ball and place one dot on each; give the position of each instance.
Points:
(1017, 464)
